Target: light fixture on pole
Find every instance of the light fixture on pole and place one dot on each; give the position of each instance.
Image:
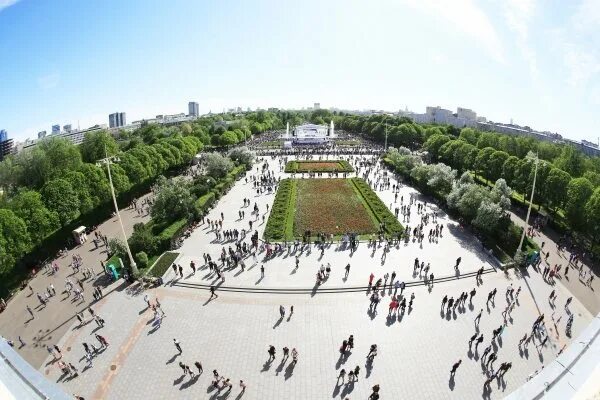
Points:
(108, 160)
(529, 208)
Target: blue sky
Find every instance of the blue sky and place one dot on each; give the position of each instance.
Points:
(68, 61)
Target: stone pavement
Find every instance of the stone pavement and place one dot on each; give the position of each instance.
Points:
(588, 295)
(280, 271)
(52, 322)
(232, 334)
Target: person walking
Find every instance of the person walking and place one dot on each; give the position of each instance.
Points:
(271, 352)
(341, 376)
(199, 367)
(213, 295)
(177, 345)
(356, 372)
(294, 356)
(243, 386)
(478, 318)
(30, 312)
(347, 271)
(262, 271)
(281, 311)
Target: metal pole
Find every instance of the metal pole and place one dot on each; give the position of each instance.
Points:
(134, 268)
(386, 135)
(529, 208)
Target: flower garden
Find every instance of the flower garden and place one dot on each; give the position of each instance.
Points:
(330, 206)
(318, 166)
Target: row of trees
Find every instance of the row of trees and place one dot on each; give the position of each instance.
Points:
(53, 185)
(56, 183)
(403, 132)
(556, 189)
(483, 207)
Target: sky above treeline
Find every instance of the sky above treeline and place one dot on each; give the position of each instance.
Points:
(74, 62)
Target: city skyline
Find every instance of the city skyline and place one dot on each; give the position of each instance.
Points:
(537, 65)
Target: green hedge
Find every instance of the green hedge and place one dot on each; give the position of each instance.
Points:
(281, 220)
(203, 203)
(163, 264)
(296, 166)
(379, 209)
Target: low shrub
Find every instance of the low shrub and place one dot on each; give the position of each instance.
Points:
(281, 219)
(142, 259)
(391, 224)
(163, 264)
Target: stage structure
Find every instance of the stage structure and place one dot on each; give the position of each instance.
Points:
(308, 134)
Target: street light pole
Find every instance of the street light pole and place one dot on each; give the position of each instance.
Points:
(108, 161)
(386, 136)
(529, 208)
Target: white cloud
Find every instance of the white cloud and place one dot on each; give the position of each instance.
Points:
(518, 15)
(49, 81)
(7, 3)
(578, 44)
(466, 17)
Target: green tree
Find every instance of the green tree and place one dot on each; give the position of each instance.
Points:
(592, 212)
(487, 139)
(241, 155)
(509, 170)
(14, 240)
(496, 163)
(60, 197)
(134, 169)
(173, 200)
(488, 216)
(571, 161)
(557, 183)
(434, 143)
(217, 166)
(98, 145)
(482, 162)
(96, 182)
(79, 185)
(579, 191)
(41, 222)
(469, 135)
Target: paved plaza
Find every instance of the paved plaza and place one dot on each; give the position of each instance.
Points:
(232, 332)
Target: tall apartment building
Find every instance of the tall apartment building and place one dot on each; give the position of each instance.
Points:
(55, 129)
(193, 109)
(6, 144)
(117, 119)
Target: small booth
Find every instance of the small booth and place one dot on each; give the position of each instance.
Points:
(79, 235)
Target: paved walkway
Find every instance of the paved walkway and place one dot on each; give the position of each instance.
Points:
(232, 332)
(52, 321)
(280, 272)
(588, 295)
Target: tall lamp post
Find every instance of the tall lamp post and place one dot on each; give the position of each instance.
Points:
(529, 208)
(108, 160)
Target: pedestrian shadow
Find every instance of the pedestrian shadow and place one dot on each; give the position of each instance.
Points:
(266, 366)
(178, 380)
(348, 388)
(289, 371)
(390, 320)
(189, 382)
(259, 280)
(368, 367)
(342, 359)
(371, 313)
(170, 360)
(280, 366)
(279, 321)
(451, 383)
